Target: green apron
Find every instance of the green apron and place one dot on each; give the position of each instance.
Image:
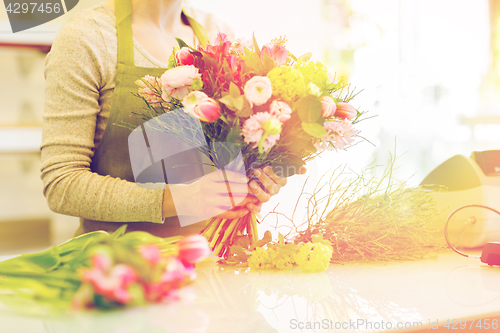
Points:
(112, 154)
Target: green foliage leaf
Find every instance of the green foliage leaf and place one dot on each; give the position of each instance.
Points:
(292, 56)
(30, 288)
(288, 165)
(253, 62)
(137, 238)
(246, 111)
(305, 57)
(228, 101)
(309, 109)
(239, 103)
(234, 135)
(181, 43)
(255, 44)
(314, 129)
(234, 91)
(268, 63)
(119, 232)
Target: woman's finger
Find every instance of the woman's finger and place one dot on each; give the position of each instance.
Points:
(233, 213)
(249, 199)
(278, 180)
(259, 192)
(227, 176)
(269, 184)
(254, 207)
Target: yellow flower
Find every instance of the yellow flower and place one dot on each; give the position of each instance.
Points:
(313, 257)
(288, 84)
(313, 72)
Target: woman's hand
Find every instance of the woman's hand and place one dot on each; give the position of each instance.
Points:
(209, 196)
(272, 184)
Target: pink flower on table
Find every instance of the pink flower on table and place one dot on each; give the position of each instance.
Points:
(276, 52)
(254, 129)
(345, 111)
(184, 57)
(151, 253)
(258, 90)
(150, 90)
(101, 261)
(175, 276)
(83, 297)
(339, 135)
(107, 280)
(193, 248)
(202, 107)
(280, 110)
(177, 81)
(112, 284)
(328, 106)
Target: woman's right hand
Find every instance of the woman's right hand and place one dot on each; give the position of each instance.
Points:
(209, 197)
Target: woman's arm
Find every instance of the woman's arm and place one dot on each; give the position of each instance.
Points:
(77, 73)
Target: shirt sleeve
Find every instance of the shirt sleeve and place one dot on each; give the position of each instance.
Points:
(75, 73)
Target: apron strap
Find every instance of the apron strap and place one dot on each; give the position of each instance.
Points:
(123, 9)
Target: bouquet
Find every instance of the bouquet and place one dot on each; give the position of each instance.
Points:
(101, 270)
(277, 109)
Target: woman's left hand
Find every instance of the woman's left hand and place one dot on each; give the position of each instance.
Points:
(272, 184)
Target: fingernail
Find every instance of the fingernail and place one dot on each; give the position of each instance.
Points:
(257, 172)
(268, 169)
(254, 185)
(244, 179)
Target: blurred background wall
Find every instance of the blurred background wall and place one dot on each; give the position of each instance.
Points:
(429, 71)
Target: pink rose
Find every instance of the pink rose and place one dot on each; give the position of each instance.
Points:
(258, 90)
(202, 107)
(184, 57)
(280, 110)
(193, 248)
(276, 52)
(328, 106)
(176, 81)
(345, 111)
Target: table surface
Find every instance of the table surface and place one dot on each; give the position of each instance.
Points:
(235, 300)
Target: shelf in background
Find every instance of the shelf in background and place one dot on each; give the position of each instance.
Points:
(40, 37)
(17, 139)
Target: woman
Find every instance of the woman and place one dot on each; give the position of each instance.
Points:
(90, 74)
